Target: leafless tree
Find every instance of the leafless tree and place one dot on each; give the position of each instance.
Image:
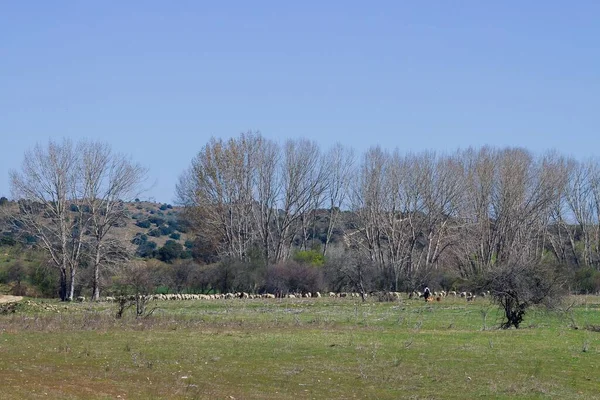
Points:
(302, 180)
(218, 190)
(339, 170)
(109, 180)
(45, 187)
(267, 192)
(64, 192)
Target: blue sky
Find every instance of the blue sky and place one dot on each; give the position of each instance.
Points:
(157, 79)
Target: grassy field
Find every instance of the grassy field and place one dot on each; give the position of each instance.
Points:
(300, 349)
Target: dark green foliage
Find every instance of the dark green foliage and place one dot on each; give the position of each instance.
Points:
(146, 249)
(186, 254)
(587, 280)
(3, 201)
(46, 279)
(170, 251)
(155, 233)
(175, 236)
(139, 239)
(30, 239)
(165, 230)
(143, 224)
(7, 239)
(156, 220)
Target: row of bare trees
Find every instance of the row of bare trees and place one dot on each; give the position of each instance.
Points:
(412, 214)
(251, 192)
(70, 196)
(408, 215)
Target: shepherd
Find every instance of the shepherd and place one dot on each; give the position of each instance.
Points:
(426, 293)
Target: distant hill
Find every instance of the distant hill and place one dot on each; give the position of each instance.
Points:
(147, 225)
(158, 231)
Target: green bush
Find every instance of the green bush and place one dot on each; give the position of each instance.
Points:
(310, 257)
(587, 280)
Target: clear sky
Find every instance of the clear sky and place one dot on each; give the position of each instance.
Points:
(157, 79)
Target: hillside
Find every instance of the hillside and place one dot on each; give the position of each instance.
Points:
(148, 226)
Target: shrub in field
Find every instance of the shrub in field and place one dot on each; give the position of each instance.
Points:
(517, 287)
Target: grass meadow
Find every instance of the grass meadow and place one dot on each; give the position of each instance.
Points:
(322, 348)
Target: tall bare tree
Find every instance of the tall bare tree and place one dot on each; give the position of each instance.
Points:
(339, 168)
(65, 192)
(218, 190)
(109, 179)
(45, 188)
(302, 180)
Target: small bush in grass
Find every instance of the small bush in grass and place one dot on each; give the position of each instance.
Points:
(517, 287)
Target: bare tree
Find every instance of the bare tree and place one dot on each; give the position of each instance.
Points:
(64, 192)
(267, 193)
(108, 181)
(302, 180)
(45, 187)
(339, 168)
(218, 189)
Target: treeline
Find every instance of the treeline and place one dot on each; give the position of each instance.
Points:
(411, 217)
(260, 215)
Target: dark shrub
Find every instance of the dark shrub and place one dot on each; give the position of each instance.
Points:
(515, 288)
(143, 224)
(170, 251)
(155, 233)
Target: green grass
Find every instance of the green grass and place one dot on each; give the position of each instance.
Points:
(300, 349)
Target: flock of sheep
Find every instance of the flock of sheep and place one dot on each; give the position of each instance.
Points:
(387, 296)
(441, 294)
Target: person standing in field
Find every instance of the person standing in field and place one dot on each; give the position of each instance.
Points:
(426, 293)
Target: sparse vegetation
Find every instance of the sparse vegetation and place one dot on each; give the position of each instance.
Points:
(302, 348)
